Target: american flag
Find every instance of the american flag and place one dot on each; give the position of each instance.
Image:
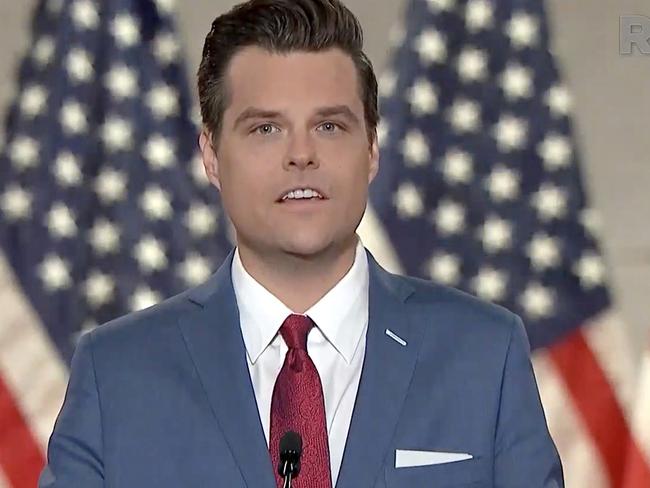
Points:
(104, 207)
(479, 188)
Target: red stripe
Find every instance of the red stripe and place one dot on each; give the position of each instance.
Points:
(637, 474)
(20, 456)
(598, 407)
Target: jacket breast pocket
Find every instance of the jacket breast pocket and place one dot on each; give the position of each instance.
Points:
(471, 473)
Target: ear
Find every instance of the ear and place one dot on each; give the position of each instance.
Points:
(209, 157)
(374, 159)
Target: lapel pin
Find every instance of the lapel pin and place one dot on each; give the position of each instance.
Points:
(395, 337)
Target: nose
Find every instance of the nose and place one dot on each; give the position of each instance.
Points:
(301, 152)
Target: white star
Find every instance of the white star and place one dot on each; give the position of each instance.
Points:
(387, 83)
(162, 100)
(449, 217)
(33, 101)
(155, 203)
(490, 284)
(122, 82)
(383, 129)
(99, 288)
(23, 152)
(559, 100)
(440, 5)
(84, 14)
(431, 46)
(195, 116)
(538, 301)
(517, 81)
(195, 269)
(479, 14)
(60, 220)
(165, 6)
(472, 65)
(144, 297)
(556, 151)
(159, 152)
(43, 51)
(198, 171)
(150, 254)
(464, 115)
(591, 221)
(550, 201)
(16, 203)
(408, 201)
(55, 273)
(201, 220)
(79, 65)
(510, 132)
(116, 134)
(590, 269)
(522, 30)
(543, 251)
(73, 118)
(444, 268)
(166, 48)
(415, 148)
(66, 170)
(503, 184)
(496, 234)
(110, 186)
(423, 97)
(125, 30)
(457, 167)
(104, 237)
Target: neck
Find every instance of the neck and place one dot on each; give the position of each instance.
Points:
(299, 281)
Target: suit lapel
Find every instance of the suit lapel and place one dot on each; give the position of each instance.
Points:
(387, 370)
(214, 340)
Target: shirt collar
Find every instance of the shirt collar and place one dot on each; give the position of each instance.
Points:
(341, 314)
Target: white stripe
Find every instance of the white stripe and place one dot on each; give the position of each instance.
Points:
(580, 459)
(376, 240)
(641, 417)
(30, 364)
(608, 338)
(4, 482)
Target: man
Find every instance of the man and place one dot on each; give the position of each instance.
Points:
(390, 381)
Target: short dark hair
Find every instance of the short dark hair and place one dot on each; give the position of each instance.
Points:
(281, 26)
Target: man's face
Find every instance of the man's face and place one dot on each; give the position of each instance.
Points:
(294, 121)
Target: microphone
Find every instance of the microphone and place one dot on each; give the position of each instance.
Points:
(290, 451)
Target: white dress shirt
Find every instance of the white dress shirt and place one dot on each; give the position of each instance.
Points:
(336, 345)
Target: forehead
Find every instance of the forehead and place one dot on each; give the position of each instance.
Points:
(257, 77)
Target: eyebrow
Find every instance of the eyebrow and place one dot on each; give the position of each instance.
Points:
(258, 113)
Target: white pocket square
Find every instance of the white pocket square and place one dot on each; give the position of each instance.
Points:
(407, 459)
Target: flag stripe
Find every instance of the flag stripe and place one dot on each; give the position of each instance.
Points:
(607, 339)
(29, 362)
(595, 400)
(581, 461)
(20, 455)
(637, 473)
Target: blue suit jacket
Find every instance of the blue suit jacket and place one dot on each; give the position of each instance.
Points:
(163, 398)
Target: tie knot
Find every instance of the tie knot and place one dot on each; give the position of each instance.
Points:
(294, 331)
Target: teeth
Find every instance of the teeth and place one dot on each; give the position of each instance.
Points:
(302, 193)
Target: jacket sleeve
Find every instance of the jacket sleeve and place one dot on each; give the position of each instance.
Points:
(525, 454)
(74, 455)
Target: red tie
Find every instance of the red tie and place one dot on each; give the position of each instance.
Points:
(298, 405)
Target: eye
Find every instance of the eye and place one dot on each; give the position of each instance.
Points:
(265, 129)
(329, 127)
